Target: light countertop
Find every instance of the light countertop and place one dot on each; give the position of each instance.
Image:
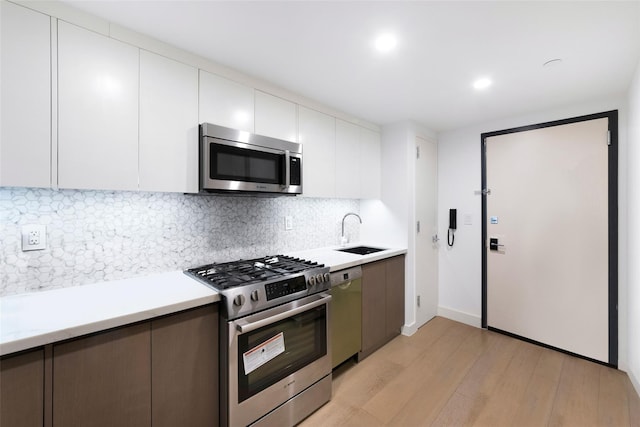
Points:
(39, 318)
(35, 319)
(337, 260)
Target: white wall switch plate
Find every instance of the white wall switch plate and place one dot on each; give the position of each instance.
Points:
(288, 222)
(34, 237)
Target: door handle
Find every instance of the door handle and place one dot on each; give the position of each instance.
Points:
(287, 169)
(494, 245)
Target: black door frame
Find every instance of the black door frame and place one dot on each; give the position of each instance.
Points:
(612, 116)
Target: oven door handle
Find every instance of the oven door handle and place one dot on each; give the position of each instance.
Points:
(243, 326)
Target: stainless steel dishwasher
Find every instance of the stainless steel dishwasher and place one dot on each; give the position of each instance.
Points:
(346, 314)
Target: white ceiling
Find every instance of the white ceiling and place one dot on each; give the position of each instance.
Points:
(323, 50)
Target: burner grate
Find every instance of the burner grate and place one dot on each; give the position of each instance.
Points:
(245, 272)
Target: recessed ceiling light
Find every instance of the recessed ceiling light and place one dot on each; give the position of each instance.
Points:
(386, 42)
(482, 83)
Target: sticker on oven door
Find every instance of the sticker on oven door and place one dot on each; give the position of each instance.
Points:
(261, 354)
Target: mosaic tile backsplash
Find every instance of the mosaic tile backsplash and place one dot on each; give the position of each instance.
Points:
(94, 236)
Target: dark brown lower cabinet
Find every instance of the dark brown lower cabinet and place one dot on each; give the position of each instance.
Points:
(374, 307)
(22, 389)
(184, 357)
(382, 303)
(103, 380)
(162, 372)
(394, 296)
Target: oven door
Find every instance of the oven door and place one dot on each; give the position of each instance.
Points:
(276, 354)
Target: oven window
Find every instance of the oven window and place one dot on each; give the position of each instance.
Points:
(305, 340)
(242, 164)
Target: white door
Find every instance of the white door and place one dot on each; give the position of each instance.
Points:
(426, 214)
(547, 267)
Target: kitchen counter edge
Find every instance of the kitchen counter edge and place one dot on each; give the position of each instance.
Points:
(35, 319)
(337, 260)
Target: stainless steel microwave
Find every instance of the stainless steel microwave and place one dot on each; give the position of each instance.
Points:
(237, 161)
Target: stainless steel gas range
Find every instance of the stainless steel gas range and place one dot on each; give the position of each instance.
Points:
(275, 362)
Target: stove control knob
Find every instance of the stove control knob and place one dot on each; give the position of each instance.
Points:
(312, 281)
(238, 300)
(254, 295)
(319, 278)
(327, 277)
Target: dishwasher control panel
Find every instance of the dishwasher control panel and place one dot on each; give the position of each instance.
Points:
(346, 275)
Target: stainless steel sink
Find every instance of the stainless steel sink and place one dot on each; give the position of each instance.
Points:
(361, 250)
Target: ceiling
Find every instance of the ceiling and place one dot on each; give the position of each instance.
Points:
(323, 50)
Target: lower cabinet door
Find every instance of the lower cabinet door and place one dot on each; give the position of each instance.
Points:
(382, 303)
(103, 380)
(184, 354)
(395, 296)
(22, 389)
(374, 307)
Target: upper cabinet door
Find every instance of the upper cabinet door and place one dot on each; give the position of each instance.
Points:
(276, 117)
(226, 103)
(168, 125)
(370, 164)
(25, 93)
(347, 160)
(317, 133)
(97, 111)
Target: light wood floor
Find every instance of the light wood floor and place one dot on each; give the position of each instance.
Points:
(450, 374)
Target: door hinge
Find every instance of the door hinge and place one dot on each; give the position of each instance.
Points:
(417, 152)
(608, 137)
(418, 300)
(418, 227)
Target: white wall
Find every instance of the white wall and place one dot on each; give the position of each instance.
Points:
(390, 221)
(633, 232)
(459, 178)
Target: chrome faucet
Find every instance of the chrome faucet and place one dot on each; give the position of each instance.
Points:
(345, 217)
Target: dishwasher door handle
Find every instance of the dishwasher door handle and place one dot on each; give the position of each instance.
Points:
(344, 286)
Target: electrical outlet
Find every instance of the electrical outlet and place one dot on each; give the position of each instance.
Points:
(288, 222)
(34, 237)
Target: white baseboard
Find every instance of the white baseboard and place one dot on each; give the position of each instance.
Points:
(460, 316)
(409, 330)
(634, 381)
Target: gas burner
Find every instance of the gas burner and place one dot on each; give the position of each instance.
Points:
(248, 286)
(244, 272)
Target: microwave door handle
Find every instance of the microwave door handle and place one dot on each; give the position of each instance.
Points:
(287, 169)
(243, 326)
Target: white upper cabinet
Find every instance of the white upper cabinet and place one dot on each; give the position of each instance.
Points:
(97, 111)
(357, 162)
(347, 160)
(276, 117)
(226, 103)
(25, 91)
(370, 171)
(317, 133)
(168, 125)
(117, 117)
